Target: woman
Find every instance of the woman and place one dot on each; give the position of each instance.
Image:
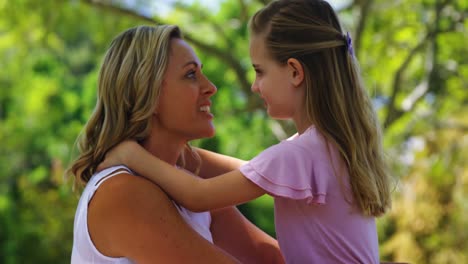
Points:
(151, 89)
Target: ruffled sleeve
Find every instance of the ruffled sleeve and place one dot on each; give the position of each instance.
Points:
(290, 171)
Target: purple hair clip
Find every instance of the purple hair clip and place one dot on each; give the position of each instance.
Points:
(349, 44)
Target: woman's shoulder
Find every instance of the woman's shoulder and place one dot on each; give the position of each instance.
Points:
(123, 204)
(120, 197)
(130, 216)
(128, 188)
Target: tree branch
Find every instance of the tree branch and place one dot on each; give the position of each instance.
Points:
(365, 7)
(122, 11)
(264, 2)
(244, 15)
(455, 126)
(217, 28)
(224, 56)
(393, 113)
(346, 8)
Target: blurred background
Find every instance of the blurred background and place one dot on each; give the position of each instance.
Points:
(414, 60)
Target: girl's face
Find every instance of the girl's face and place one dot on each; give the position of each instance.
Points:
(272, 82)
(184, 103)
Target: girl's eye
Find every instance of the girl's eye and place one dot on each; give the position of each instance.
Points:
(258, 72)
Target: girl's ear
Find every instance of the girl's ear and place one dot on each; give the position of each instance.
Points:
(296, 71)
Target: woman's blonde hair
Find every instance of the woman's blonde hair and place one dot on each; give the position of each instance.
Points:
(129, 85)
(335, 98)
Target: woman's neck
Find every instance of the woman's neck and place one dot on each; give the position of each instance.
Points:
(164, 148)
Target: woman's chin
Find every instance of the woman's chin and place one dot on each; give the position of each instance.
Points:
(207, 133)
(211, 133)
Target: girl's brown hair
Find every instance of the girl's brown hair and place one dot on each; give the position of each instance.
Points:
(336, 101)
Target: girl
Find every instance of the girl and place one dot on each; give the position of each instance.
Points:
(329, 181)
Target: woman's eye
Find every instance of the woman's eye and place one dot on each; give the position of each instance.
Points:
(192, 74)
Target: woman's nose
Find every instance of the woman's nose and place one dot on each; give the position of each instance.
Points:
(209, 88)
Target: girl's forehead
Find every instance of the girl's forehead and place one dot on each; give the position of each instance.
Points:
(257, 41)
(257, 46)
(258, 50)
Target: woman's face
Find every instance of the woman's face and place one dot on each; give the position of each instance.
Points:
(184, 103)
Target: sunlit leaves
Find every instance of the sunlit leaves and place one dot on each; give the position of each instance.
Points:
(50, 52)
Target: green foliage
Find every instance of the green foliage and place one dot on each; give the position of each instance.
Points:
(413, 56)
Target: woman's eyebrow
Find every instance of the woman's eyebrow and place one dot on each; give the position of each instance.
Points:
(194, 63)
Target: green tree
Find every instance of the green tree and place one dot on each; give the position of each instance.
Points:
(413, 56)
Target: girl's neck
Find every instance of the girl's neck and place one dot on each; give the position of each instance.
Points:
(302, 122)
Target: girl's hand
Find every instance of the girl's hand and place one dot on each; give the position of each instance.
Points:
(119, 155)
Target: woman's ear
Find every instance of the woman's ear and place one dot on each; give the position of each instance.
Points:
(156, 110)
(296, 71)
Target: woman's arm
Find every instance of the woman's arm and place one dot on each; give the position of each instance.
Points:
(239, 237)
(129, 216)
(193, 193)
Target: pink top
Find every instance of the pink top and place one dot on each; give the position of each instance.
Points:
(314, 222)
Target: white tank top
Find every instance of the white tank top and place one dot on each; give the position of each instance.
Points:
(84, 250)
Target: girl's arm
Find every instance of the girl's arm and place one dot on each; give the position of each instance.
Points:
(232, 231)
(193, 193)
(214, 164)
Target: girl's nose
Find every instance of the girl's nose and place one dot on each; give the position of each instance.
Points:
(254, 87)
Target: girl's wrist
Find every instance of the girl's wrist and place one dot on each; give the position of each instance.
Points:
(129, 153)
